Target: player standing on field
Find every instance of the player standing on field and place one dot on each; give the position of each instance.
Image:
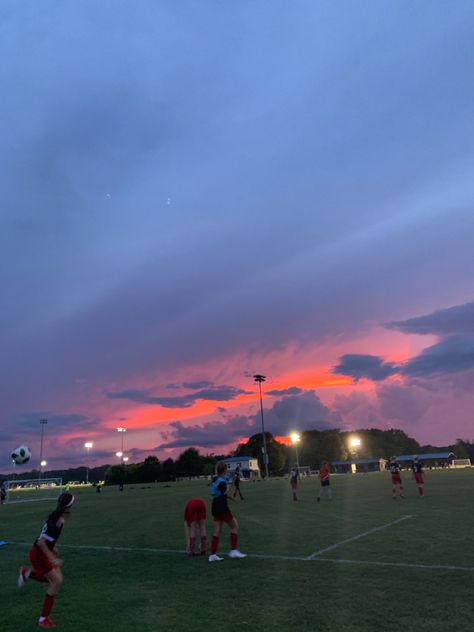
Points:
(236, 482)
(394, 468)
(325, 483)
(294, 476)
(418, 475)
(195, 518)
(221, 513)
(44, 557)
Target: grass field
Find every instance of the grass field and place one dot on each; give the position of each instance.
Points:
(412, 568)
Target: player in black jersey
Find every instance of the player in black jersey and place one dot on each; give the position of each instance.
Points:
(44, 557)
(418, 475)
(394, 467)
(236, 482)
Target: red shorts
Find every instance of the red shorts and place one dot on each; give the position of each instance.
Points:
(194, 511)
(396, 479)
(40, 562)
(294, 485)
(419, 478)
(228, 517)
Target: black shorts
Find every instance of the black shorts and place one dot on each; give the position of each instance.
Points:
(324, 483)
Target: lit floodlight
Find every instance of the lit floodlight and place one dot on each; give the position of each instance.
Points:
(44, 463)
(295, 437)
(125, 459)
(355, 442)
(88, 445)
(119, 454)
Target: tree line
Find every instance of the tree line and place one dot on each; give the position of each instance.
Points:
(315, 447)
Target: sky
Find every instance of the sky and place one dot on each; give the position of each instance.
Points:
(197, 191)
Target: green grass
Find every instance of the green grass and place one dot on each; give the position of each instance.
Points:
(113, 590)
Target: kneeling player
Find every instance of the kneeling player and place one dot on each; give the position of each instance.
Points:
(44, 557)
(221, 513)
(195, 518)
(394, 468)
(418, 475)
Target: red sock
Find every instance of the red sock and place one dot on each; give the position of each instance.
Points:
(203, 544)
(234, 537)
(192, 544)
(47, 605)
(420, 491)
(214, 544)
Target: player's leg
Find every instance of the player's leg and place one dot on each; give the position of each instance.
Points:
(187, 536)
(329, 492)
(55, 581)
(203, 535)
(213, 557)
(234, 539)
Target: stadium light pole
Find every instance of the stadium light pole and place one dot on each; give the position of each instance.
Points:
(122, 431)
(354, 443)
(43, 423)
(261, 378)
(88, 445)
(295, 439)
(42, 464)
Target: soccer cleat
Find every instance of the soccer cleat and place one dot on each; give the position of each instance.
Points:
(215, 558)
(46, 623)
(318, 499)
(236, 554)
(22, 579)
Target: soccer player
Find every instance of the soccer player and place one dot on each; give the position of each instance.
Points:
(294, 482)
(394, 468)
(3, 492)
(418, 475)
(195, 517)
(44, 557)
(236, 482)
(324, 479)
(221, 513)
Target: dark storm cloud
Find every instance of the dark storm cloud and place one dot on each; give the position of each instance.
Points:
(292, 390)
(218, 394)
(443, 322)
(451, 355)
(361, 366)
(297, 412)
(197, 385)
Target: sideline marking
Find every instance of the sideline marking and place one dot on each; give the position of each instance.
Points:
(267, 557)
(357, 537)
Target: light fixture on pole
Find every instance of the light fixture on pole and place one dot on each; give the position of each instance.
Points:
(354, 443)
(122, 431)
(295, 439)
(125, 459)
(43, 423)
(42, 465)
(261, 378)
(88, 445)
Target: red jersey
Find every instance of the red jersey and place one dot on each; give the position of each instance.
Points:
(324, 473)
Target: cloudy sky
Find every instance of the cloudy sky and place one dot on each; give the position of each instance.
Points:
(196, 191)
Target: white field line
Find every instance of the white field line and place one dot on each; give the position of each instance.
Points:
(263, 557)
(357, 537)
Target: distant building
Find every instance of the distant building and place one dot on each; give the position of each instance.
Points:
(433, 459)
(248, 466)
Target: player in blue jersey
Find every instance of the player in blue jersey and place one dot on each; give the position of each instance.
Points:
(221, 513)
(418, 475)
(394, 468)
(44, 557)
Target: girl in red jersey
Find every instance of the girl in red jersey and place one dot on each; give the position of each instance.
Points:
(195, 518)
(324, 479)
(44, 557)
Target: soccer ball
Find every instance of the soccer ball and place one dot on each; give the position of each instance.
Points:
(21, 455)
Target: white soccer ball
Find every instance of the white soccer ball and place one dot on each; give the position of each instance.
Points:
(21, 455)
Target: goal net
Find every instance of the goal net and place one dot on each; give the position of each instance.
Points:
(33, 489)
(461, 463)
